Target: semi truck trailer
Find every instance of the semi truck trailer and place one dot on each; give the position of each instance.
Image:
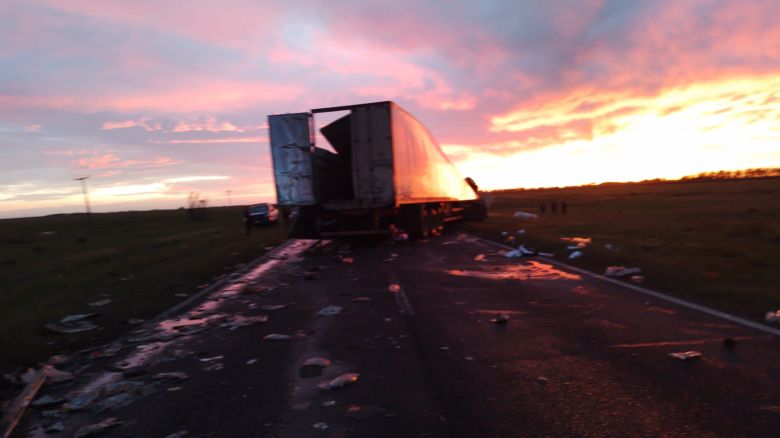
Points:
(382, 173)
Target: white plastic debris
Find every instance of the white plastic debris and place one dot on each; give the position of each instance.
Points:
(251, 361)
(525, 215)
(686, 355)
(276, 337)
(330, 310)
(575, 254)
(320, 426)
(340, 381)
(621, 271)
(210, 359)
(505, 233)
(273, 307)
(99, 303)
(501, 318)
(327, 403)
(520, 231)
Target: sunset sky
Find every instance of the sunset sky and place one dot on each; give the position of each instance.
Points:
(156, 99)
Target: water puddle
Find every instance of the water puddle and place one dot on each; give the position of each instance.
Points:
(532, 270)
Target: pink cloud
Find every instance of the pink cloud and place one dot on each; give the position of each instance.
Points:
(113, 161)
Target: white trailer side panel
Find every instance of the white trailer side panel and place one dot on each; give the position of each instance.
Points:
(422, 172)
(372, 156)
(291, 154)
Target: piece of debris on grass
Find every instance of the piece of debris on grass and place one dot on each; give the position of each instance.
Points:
(330, 310)
(211, 359)
(94, 429)
(360, 413)
(501, 319)
(99, 303)
(340, 381)
(251, 361)
(637, 278)
(576, 254)
(80, 400)
(394, 288)
(479, 257)
(179, 434)
(56, 427)
(320, 426)
(327, 403)
(276, 337)
(237, 321)
(686, 355)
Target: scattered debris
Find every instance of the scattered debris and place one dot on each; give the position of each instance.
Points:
(73, 324)
(55, 428)
(210, 359)
(175, 375)
(520, 231)
(730, 343)
(243, 321)
(504, 233)
(348, 260)
(94, 429)
(251, 361)
(526, 215)
(546, 254)
(621, 271)
(272, 307)
(686, 355)
(216, 366)
(276, 337)
(579, 242)
(327, 403)
(320, 426)
(610, 247)
(394, 288)
(116, 401)
(469, 358)
(521, 251)
(360, 413)
(638, 278)
(501, 318)
(479, 257)
(80, 400)
(179, 434)
(330, 310)
(542, 379)
(340, 381)
(181, 295)
(773, 316)
(317, 362)
(54, 375)
(99, 303)
(46, 401)
(15, 411)
(575, 254)
(444, 348)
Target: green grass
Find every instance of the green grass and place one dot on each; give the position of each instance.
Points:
(712, 242)
(140, 260)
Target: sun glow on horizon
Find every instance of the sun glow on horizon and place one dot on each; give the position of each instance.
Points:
(583, 139)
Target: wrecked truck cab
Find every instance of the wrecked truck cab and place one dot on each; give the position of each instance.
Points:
(381, 171)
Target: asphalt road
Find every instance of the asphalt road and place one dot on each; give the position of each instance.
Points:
(578, 356)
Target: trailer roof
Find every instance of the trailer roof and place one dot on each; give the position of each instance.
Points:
(349, 107)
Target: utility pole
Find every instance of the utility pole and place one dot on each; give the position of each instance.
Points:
(84, 190)
(230, 200)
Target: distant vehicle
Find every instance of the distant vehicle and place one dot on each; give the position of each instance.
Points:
(387, 175)
(261, 215)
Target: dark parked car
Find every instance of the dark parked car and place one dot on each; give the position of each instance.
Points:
(260, 215)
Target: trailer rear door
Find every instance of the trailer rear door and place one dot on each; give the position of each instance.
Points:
(291, 151)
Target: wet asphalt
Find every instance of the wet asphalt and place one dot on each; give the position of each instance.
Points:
(577, 357)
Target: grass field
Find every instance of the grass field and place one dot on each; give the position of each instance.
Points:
(53, 266)
(712, 242)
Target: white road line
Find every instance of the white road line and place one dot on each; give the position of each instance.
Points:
(659, 295)
(404, 305)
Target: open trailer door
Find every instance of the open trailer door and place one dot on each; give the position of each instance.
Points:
(291, 150)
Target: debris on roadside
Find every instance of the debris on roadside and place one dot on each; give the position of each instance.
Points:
(73, 324)
(327, 403)
(501, 319)
(348, 260)
(575, 254)
(578, 242)
(520, 231)
(180, 434)
(317, 362)
(330, 310)
(276, 337)
(173, 375)
(360, 413)
(686, 355)
(479, 257)
(320, 426)
(47, 401)
(637, 278)
(620, 271)
(54, 375)
(394, 288)
(135, 321)
(610, 247)
(272, 307)
(251, 361)
(56, 427)
(444, 348)
(94, 429)
(99, 303)
(211, 359)
(772, 316)
(340, 381)
(526, 215)
(521, 251)
(237, 321)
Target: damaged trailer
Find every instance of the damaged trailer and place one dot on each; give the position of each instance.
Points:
(385, 173)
